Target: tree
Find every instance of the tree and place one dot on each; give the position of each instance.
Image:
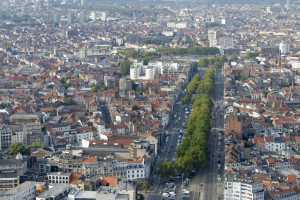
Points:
(251, 55)
(36, 145)
(185, 163)
(193, 85)
(19, 148)
(203, 62)
(69, 101)
(146, 61)
(193, 153)
(98, 87)
(167, 169)
(125, 67)
(94, 88)
(7, 45)
(185, 99)
(144, 186)
(189, 51)
(206, 85)
(65, 82)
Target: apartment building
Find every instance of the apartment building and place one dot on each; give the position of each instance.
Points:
(239, 190)
(59, 178)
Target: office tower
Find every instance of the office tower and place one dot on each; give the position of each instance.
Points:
(284, 48)
(212, 38)
(82, 2)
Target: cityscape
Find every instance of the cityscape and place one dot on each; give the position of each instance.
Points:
(150, 100)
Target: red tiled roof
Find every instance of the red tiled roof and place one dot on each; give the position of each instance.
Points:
(90, 160)
(110, 180)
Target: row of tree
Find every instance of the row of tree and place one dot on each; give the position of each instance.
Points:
(200, 51)
(205, 51)
(197, 86)
(192, 153)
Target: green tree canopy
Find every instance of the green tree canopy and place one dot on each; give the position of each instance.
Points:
(19, 148)
(193, 85)
(203, 62)
(125, 67)
(251, 55)
(167, 169)
(192, 153)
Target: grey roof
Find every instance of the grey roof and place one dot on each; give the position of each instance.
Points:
(54, 191)
(10, 162)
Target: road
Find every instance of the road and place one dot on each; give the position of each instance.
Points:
(178, 119)
(212, 189)
(206, 181)
(204, 186)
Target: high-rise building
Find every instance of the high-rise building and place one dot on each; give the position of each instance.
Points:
(212, 38)
(82, 2)
(223, 21)
(284, 48)
(287, 5)
(103, 16)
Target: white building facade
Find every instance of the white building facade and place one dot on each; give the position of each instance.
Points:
(59, 178)
(235, 190)
(212, 38)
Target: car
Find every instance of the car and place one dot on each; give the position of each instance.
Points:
(172, 194)
(186, 182)
(219, 179)
(170, 184)
(185, 192)
(166, 195)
